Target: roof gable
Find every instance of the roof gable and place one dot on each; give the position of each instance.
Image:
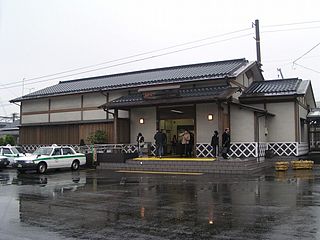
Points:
(176, 74)
(274, 88)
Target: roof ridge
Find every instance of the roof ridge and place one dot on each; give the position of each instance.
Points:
(155, 69)
(282, 79)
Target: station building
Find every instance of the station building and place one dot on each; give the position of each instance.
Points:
(261, 114)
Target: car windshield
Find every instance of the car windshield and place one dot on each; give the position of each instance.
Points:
(19, 149)
(14, 150)
(43, 151)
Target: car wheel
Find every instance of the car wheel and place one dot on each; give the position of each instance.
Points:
(42, 167)
(75, 165)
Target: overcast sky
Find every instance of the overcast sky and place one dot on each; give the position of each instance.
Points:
(42, 37)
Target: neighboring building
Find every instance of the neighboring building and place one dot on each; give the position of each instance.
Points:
(10, 128)
(200, 97)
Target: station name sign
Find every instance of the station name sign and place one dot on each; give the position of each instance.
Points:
(161, 94)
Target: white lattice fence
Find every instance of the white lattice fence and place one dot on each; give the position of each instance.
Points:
(284, 148)
(203, 150)
(244, 149)
(262, 149)
(237, 149)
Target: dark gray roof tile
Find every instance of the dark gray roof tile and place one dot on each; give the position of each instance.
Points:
(179, 74)
(279, 87)
(196, 94)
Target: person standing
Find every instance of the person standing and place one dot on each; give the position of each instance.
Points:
(225, 143)
(185, 142)
(140, 144)
(215, 144)
(159, 141)
(174, 145)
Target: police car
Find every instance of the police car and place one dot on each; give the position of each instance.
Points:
(51, 157)
(10, 152)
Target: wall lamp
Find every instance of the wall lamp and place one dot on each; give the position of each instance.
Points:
(210, 117)
(141, 120)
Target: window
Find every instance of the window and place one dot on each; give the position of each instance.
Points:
(6, 151)
(57, 151)
(67, 151)
(43, 151)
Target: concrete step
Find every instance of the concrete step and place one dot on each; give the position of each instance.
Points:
(244, 167)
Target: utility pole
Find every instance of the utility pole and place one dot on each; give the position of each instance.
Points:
(257, 38)
(279, 70)
(23, 86)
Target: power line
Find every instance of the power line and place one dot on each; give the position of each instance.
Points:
(132, 61)
(306, 53)
(310, 69)
(31, 80)
(131, 56)
(290, 29)
(290, 24)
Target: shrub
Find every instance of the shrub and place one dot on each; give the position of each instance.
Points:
(98, 137)
(9, 139)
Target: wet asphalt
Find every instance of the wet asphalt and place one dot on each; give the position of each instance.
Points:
(101, 204)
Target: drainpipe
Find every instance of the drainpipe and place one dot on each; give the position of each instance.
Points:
(258, 136)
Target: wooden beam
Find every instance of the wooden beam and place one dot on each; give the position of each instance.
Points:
(115, 126)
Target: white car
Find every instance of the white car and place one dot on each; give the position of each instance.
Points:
(50, 158)
(4, 162)
(10, 152)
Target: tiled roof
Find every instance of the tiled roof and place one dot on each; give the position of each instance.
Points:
(177, 74)
(185, 95)
(279, 87)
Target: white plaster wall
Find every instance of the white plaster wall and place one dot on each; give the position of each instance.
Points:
(94, 115)
(65, 102)
(147, 129)
(35, 118)
(123, 114)
(205, 128)
(282, 126)
(35, 106)
(242, 124)
(65, 116)
(94, 100)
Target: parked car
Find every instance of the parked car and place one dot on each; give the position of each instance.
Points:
(21, 150)
(10, 152)
(51, 157)
(4, 162)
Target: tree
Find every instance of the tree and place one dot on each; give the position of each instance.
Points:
(1, 141)
(98, 137)
(9, 139)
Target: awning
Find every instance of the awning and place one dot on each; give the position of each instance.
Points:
(314, 113)
(254, 109)
(178, 96)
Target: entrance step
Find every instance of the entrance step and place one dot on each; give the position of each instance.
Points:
(243, 166)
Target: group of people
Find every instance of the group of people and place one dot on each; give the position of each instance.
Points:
(187, 143)
(226, 140)
(160, 138)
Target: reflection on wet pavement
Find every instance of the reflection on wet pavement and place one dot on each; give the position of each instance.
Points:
(93, 204)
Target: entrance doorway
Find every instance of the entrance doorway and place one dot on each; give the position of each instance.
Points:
(173, 121)
(314, 135)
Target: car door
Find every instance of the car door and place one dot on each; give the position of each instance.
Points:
(8, 153)
(68, 156)
(57, 160)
